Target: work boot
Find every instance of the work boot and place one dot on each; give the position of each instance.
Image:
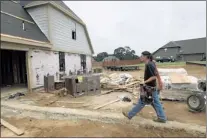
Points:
(125, 113)
(159, 120)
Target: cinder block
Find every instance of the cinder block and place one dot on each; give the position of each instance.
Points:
(90, 85)
(59, 85)
(70, 85)
(80, 89)
(49, 83)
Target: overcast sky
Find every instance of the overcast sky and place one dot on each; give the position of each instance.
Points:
(142, 25)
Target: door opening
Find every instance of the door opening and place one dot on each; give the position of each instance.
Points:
(13, 68)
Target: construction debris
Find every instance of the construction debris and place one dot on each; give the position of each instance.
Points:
(126, 99)
(118, 81)
(166, 72)
(179, 82)
(17, 95)
(175, 83)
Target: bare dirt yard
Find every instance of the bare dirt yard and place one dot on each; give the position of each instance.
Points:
(86, 128)
(175, 110)
(177, 114)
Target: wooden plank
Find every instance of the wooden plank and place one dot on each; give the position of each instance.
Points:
(12, 128)
(135, 82)
(107, 92)
(98, 107)
(82, 106)
(70, 102)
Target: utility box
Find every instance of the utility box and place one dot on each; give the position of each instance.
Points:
(49, 83)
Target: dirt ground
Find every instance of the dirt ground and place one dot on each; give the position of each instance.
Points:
(86, 128)
(175, 111)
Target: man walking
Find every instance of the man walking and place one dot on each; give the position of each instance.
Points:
(150, 76)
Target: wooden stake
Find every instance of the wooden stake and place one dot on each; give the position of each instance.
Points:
(98, 107)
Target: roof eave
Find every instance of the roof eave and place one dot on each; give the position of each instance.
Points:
(192, 53)
(25, 41)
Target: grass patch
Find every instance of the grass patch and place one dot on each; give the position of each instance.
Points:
(198, 62)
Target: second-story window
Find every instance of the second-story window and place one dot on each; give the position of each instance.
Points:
(74, 35)
(74, 32)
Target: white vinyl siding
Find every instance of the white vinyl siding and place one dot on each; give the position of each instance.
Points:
(61, 27)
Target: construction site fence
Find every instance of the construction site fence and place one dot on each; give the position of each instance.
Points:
(116, 63)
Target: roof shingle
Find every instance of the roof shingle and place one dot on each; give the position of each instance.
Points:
(13, 26)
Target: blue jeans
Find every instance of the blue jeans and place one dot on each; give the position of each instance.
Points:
(155, 104)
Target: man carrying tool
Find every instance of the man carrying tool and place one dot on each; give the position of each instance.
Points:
(149, 85)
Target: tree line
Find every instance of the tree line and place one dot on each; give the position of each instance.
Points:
(122, 53)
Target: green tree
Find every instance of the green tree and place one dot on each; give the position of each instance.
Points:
(125, 53)
(101, 56)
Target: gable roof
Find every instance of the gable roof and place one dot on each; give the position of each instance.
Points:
(12, 17)
(171, 45)
(190, 46)
(62, 7)
(29, 4)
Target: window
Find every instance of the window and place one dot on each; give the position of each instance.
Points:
(74, 32)
(62, 61)
(74, 35)
(23, 25)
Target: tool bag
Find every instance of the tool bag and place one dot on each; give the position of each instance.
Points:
(146, 94)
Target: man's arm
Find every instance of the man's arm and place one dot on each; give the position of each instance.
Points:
(150, 79)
